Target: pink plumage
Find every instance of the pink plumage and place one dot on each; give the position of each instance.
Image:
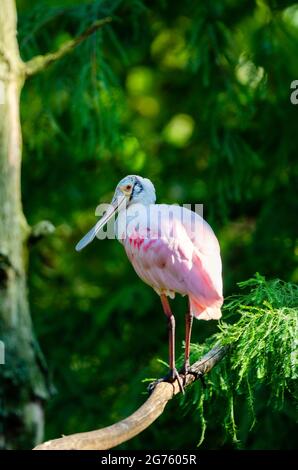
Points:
(172, 249)
(171, 256)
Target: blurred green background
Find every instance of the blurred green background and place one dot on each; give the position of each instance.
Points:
(194, 95)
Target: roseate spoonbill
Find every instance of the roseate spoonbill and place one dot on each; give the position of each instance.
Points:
(172, 249)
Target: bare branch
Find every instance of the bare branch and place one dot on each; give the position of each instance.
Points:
(111, 436)
(40, 62)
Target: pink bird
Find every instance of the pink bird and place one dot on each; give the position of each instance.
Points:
(172, 249)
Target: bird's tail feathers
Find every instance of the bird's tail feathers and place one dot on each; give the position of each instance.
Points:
(212, 312)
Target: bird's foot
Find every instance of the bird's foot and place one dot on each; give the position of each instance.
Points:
(170, 377)
(174, 374)
(198, 375)
(186, 370)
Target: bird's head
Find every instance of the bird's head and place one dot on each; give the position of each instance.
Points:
(135, 189)
(130, 190)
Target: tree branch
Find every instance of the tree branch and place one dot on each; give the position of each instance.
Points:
(40, 62)
(111, 436)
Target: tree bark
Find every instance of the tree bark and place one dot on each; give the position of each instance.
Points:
(112, 436)
(23, 378)
(23, 385)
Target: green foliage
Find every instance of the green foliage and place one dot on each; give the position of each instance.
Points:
(263, 356)
(194, 95)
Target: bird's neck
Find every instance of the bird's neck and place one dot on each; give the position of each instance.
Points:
(138, 210)
(131, 219)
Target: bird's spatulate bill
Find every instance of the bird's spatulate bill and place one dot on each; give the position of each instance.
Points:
(89, 237)
(175, 261)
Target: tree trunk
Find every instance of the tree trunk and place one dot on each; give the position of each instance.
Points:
(23, 387)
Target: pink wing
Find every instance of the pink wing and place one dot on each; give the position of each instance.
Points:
(171, 256)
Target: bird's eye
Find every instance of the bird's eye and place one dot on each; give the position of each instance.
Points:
(128, 187)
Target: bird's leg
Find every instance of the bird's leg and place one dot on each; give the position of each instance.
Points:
(188, 327)
(171, 328)
(171, 325)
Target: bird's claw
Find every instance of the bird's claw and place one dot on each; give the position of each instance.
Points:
(198, 375)
(185, 370)
(174, 374)
(170, 377)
